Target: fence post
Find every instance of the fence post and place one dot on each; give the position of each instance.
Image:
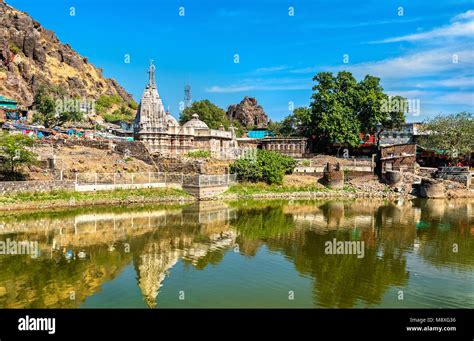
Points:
(149, 177)
(76, 178)
(165, 177)
(114, 178)
(95, 178)
(133, 175)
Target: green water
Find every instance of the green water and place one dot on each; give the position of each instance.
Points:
(247, 254)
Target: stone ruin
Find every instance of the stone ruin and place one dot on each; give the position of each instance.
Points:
(431, 188)
(333, 176)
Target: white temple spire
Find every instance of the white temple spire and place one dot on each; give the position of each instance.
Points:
(151, 75)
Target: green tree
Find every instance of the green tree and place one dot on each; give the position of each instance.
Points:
(208, 112)
(14, 150)
(71, 116)
(295, 124)
(453, 133)
(333, 109)
(266, 166)
(396, 113)
(368, 104)
(342, 108)
(123, 113)
(46, 108)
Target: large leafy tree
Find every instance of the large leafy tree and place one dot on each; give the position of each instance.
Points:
(292, 125)
(14, 150)
(342, 108)
(333, 109)
(368, 104)
(453, 133)
(208, 112)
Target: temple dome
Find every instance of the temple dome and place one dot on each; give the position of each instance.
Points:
(171, 121)
(195, 123)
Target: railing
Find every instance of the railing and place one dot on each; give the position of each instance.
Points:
(127, 178)
(209, 180)
(153, 178)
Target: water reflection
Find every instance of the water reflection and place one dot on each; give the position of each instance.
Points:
(82, 250)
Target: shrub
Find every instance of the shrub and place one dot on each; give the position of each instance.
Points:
(199, 154)
(14, 49)
(268, 166)
(122, 114)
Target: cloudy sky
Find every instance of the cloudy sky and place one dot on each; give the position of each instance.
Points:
(271, 49)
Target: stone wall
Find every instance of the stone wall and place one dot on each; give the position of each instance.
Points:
(463, 178)
(292, 146)
(7, 187)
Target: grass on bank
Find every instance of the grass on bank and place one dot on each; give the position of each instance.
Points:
(118, 194)
(249, 188)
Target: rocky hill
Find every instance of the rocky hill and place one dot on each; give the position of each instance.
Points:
(248, 113)
(32, 56)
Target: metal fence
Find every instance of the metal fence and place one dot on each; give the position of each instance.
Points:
(153, 177)
(209, 180)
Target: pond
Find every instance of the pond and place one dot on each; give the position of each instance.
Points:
(268, 254)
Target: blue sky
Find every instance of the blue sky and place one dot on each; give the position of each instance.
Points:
(425, 53)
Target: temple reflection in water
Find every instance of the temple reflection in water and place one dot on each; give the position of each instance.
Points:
(82, 250)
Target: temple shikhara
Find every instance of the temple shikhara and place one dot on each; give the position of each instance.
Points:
(162, 133)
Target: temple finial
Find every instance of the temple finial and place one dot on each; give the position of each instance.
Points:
(151, 75)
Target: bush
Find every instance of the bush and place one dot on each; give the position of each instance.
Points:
(122, 114)
(199, 154)
(268, 166)
(14, 49)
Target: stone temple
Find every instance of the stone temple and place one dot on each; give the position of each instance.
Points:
(162, 133)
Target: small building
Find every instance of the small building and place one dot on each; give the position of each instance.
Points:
(292, 146)
(259, 133)
(399, 157)
(7, 105)
(408, 133)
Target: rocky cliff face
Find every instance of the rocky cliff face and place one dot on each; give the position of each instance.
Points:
(248, 113)
(32, 56)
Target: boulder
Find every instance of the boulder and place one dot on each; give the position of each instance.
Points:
(430, 188)
(248, 113)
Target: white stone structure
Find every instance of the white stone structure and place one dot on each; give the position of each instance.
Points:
(162, 133)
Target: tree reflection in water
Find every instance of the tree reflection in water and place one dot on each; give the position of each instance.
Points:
(155, 238)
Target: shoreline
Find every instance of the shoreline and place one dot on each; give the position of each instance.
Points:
(63, 199)
(314, 195)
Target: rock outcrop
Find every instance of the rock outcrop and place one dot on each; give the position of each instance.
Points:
(248, 113)
(32, 56)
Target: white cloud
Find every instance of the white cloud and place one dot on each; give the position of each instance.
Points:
(425, 63)
(453, 82)
(410, 94)
(460, 98)
(272, 69)
(458, 28)
(244, 88)
(261, 84)
(466, 15)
